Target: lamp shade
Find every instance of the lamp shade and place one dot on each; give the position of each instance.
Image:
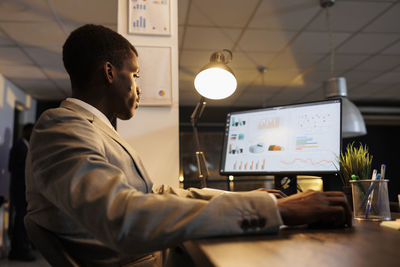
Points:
(352, 121)
(215, 80)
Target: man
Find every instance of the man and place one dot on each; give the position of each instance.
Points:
(20, 249)
(88, 186)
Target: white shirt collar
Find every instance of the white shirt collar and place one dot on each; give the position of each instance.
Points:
(91, 109)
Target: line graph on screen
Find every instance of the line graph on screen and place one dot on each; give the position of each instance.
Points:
(307, 161)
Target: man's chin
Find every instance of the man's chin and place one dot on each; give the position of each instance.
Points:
(126, 116)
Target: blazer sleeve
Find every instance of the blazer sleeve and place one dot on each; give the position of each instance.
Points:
(69, 166)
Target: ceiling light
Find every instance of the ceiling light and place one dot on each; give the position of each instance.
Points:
(352, 121)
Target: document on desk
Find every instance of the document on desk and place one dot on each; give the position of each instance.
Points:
(391, 224)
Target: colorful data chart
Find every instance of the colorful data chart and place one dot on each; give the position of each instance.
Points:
(237, 136)
(269, 123)
(233, 149)
(258, 148)
(275, 148)
(308, 161)
(149, 17)
(138, 6)
(249, 165)
(237, 122)
(306, 142)
(141, 22)
(311, 122)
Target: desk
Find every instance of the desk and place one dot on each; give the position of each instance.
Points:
(365, 244)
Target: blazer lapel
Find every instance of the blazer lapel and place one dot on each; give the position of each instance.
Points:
(115, 136)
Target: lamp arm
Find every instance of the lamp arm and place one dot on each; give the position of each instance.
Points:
(198, 111)
(200, 158)
(194, 118)
(202, 167)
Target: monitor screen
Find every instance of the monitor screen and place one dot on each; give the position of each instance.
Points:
(298, 139)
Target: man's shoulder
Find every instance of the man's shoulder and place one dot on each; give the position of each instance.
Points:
(58, 112)
(64, 121)
(60, 115)
(63, 124)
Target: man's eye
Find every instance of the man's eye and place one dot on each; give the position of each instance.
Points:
(136, 76)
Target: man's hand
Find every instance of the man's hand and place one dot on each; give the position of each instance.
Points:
(325, 209)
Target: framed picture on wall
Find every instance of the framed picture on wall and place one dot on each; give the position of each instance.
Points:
(155, 75)
(149, 17)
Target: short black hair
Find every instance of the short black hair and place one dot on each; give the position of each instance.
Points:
(90, 46)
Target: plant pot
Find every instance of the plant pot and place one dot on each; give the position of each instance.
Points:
(348, 193)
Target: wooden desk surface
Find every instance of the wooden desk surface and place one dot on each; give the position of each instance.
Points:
(365, 244)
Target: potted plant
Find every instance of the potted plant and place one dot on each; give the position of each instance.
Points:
(354, 161)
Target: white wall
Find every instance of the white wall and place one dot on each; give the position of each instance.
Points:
(154, 131)
(9, 95)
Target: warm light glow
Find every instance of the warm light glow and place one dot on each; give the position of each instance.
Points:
(231, 178)
(215, 83)
(181, 179)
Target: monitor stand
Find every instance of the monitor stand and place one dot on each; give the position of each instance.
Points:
(286, 183)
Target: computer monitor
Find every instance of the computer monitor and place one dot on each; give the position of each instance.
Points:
(293, 139)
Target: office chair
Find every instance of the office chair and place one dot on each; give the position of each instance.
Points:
(49, 245)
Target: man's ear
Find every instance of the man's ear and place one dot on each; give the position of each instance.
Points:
(109, 71)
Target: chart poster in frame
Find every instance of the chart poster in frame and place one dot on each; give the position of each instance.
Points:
(155, 75)
(149, 17)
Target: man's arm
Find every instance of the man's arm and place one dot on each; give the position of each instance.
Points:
(70, 168)
(325, 209)
(205, 193)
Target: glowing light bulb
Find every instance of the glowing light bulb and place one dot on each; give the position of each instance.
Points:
(215, 83)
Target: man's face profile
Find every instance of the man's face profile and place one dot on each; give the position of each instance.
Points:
(125, 93)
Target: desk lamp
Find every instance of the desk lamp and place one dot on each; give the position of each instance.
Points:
(214, 81)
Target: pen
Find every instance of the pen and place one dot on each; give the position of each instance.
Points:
(374, 173)
(370, 192)
(375, 176)
(383, 171)
(381, 190)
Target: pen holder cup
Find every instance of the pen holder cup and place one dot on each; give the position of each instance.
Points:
(370, 200)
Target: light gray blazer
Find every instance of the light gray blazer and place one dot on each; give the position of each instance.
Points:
(88, 186)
